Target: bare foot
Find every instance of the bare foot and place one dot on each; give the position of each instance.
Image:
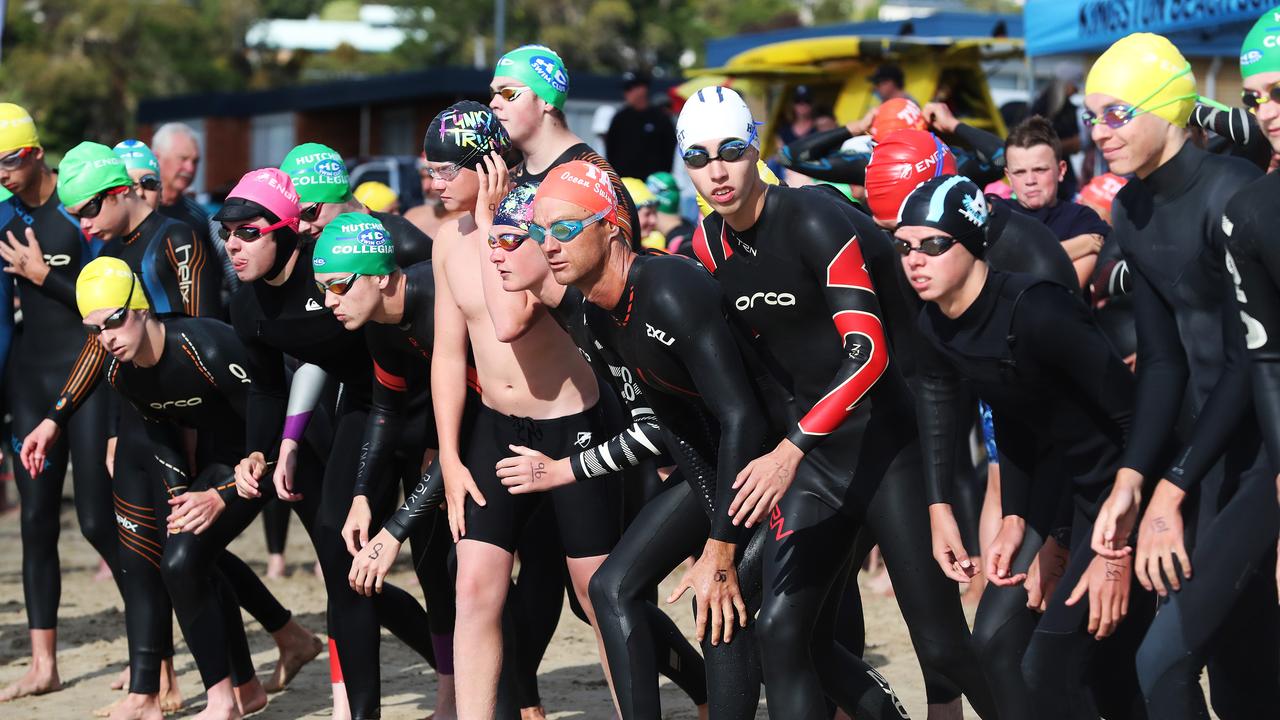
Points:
(122, 680)
(275, 566)
(251, 697)
(881, 584)
(104, 571)
(533, 713)
(170, 696)
(39, 679)
(219, 713)
(703, 712)
(319, 573)
(137, 707)
(446, 699)
(953, 710)
(298, 646)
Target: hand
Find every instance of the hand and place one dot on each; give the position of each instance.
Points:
(940, 117)
(529, 471)
(458, 484)
(494, 183)
(372, 563)
(248, 473)
(24, 259)
(194, 512)
(1160, 540)
(763, 482)
(1002, 551)
(111, 457)
(1048, 567)
(285, 465)
(1117, 516)
(862, 124)
(948, 547)
(36, 446)
(355, 531)
(1107, 583)
(714, 582)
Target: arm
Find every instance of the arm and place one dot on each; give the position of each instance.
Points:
(988, 148)
(1241, 127)
(84, 377)
(304, 394)
(6, 320)
(1162, 379)
(1255, 268)
(939, 407)
(265, 412)
(383, 426)
(818, 155)
(167, 453)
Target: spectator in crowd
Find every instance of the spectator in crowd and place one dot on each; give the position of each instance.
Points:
(888, 82)
(1055, 104)
(641, 139)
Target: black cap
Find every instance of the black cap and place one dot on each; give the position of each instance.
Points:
(802, 95)
(888, 72)
(953, 204)
(634, 79)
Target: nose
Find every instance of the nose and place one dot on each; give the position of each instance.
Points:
(550, 246)
(495, 101)
(331, 301)
(719, 169)
(86, 225)
(495, 255)
(1099, 133)
(439, 183)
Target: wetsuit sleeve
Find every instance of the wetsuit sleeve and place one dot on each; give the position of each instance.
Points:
(197, 269)
(706, 347)
(939, 401)
(265, 413)
(640, 442)
(830, 249)
(819, 156)
(1241, 127)
(986, 164)
(6, 320)
(169, 461)
(84, 377)
(384, 423)
(426, 496)
(305, 391)
(1162, 379)
(1111, 274)
(61, 287)
(1017, 446)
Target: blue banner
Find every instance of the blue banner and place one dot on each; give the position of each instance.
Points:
(1062, 26)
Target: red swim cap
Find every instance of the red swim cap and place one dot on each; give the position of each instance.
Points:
(582, 184)
(894, 115)
(899, 163)
(1101, 190)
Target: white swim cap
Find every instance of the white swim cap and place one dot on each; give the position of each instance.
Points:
(714, 113)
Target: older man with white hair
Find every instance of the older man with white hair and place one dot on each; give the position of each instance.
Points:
(177, 148)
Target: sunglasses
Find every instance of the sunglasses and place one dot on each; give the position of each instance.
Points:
(931, 246)
(1254, 99)
(311, 213)
(249, 233)
(729, 151)
(564, 230)
(90, 210)
(340, 286)
(507, 241)
(13, 161)
(150, 183)
(508, 93)
(1117, 116)
(115, 319)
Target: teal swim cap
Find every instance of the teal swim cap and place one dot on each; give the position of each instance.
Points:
(541, 69)
(136, 155)
(663, 184)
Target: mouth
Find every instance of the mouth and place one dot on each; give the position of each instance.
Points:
(557, 265)
(239, 264)
(723, 195)
(919, 282)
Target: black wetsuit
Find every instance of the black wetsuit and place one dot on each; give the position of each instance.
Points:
(179, 277)
(40, 356)
(819, 155)
(1060, 397)
(190, 212)
(1193, 358)
(1239, 129)
(797, 271)
(291, 319)
(200, 382)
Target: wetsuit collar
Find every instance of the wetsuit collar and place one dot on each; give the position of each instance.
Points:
(981, 305)
(145, 227)
(1169, 180)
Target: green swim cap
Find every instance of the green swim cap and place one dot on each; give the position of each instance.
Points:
(663, 184)
(539, 67)
(136, 155)
(88, 169)
(4, 194)
(354, 243)
(1260, 51)
(318, 173)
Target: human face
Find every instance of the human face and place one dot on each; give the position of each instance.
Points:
(886, 89)
(150, 197)
(1034, 173)
(521, 268)
(725, 185)
(648, 219)
(354, 307)
(112, 219)
(251, 259)
(933, 277)
(27, 172)
(584, 254)
(179, 163)
(521, 115)
(1268, 113)
(124, 341)
(324, 214)
(637, 97)
(458, 193)
(1135, 148)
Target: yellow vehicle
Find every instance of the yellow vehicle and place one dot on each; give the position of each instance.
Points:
(836, 68)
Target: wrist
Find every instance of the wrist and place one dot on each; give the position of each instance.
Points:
(941, 510)
(39, 274)
(1168, 493)
(719, 551)
(1014, 521)
(562, 469)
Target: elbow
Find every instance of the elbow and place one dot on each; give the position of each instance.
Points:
(509, 332)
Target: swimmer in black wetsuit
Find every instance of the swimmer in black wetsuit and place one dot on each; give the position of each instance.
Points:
(1060, 396)
(1219, 607)
(45, 250)
(279, 311)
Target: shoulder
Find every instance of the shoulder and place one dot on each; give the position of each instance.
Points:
(817, 214)
(1253, 211)
(244, 308)
(675, 284)
(195, 209)
(1229, 172)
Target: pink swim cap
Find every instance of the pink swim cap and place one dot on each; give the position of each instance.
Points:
(272, 189)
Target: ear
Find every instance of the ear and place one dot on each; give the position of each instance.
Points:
(1062, 170)
(384, 281)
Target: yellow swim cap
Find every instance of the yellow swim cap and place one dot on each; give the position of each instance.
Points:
(765, 173)
(1148, 72)
(375, 195)
(640, 193)
(107, 282)
(17, 129)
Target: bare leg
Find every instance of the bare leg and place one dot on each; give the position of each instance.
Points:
(484, 575)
